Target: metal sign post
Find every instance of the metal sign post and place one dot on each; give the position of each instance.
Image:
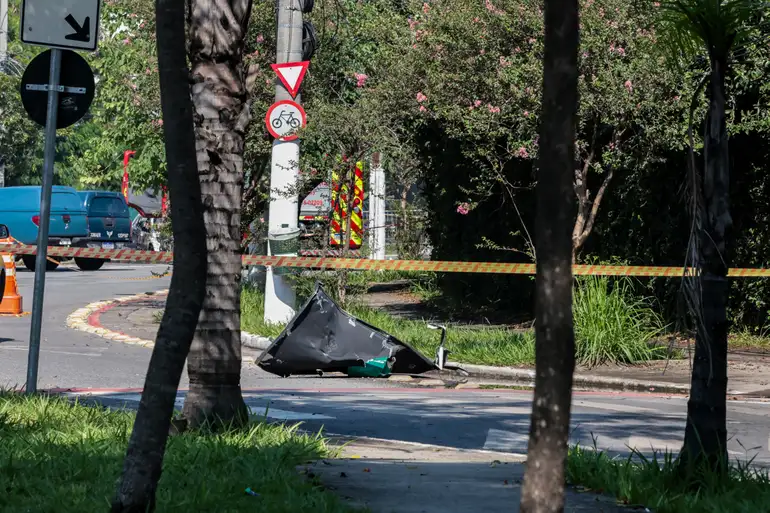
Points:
(56, 24)
(49, 153)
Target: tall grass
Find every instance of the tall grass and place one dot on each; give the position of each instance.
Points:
(656, 483)
(612, 325)
(55, 456)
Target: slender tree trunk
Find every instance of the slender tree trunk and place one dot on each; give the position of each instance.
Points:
(543, 488)
(705, 438)
(218, 30)
(146, 447)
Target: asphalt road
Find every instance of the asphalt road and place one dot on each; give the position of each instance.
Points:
(467, 419)
(75, 359)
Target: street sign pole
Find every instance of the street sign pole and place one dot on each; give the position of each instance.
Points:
(45, 217)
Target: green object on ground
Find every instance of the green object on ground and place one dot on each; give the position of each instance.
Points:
(56, 456)
(374, 368)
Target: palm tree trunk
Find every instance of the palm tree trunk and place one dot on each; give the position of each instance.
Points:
(147, 445)
(706, 430)
(217, 37)
(543, 489)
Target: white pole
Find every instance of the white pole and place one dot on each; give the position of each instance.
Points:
(3, 30)
(3, 55)
(377, 208)
(280, 299)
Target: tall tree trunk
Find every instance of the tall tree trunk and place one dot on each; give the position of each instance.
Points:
(543, 489)
(218, 30)
(705, 438)
(144, 457)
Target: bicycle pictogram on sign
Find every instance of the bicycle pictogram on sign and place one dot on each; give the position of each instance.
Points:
(284, 119)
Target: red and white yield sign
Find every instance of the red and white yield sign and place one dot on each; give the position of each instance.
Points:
(284, 119)
(291, 75)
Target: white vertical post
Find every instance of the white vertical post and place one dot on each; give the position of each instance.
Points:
(377, 209)
(283, 216)
(3, 30)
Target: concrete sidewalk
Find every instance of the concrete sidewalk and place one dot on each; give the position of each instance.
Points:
(748, 373)
(388, 477)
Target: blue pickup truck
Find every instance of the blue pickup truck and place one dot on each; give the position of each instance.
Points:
(109, 224)
(20, 212)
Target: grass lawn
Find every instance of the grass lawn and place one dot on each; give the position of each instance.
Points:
(655, 484)
(60, 457)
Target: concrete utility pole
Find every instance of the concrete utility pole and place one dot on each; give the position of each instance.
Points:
(283, 229)
(3, 56)
(3, 30)
(377, 209)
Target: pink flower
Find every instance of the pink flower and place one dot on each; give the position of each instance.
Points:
(491, 8)
(463, 209)
(141, 25)
(526, 113)
(493, 109)
(260, 38)
(522, 152)
(482, 51)
(477, 103)
(425, 8)
(134, 87)
(421, 97)
(148, 71)
(476, 19)
(422, 108)
(413, 24)
(126, 41)
(160, 122)
(629, 87)
(676, 98)
(504, 62)
(585, 55)
(361, 79)
(532, 40)
(621, 52)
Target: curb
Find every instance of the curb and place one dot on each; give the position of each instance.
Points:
(86, 319)
(580, 380)
(253, 341)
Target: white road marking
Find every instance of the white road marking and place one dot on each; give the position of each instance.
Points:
(276, 414)
(52, 351)
(256, 412)
(617, 407)
(510, 441)
(506, 441)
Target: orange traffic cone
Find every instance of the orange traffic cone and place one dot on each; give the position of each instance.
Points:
(11, 303)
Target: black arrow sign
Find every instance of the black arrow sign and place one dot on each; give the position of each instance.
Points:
(81, 33)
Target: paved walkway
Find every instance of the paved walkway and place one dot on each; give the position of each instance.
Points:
(390, 477)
